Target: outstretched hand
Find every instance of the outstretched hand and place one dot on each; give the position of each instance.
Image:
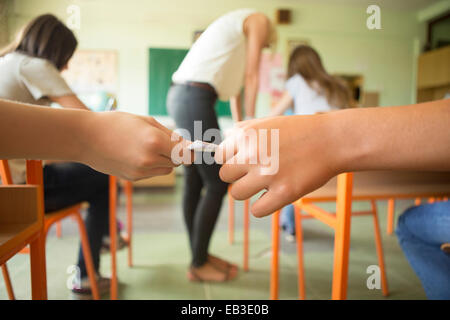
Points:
(132, 147)
(301, 160)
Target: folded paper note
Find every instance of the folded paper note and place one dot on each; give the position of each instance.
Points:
(201, 146)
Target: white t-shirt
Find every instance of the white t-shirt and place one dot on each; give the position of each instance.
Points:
(218, 56)
(29, 80)
(306, 100)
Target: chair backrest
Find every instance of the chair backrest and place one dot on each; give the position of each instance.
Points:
(5, 173)
(34, 172)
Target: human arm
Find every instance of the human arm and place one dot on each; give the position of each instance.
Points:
(283, 104)
(128, 146)
(313, 149)
(236, 108)
(69, 101)
(256, 29)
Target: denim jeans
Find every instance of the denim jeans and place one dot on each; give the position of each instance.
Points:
(66, 184)
(421, 231)
(287, 220)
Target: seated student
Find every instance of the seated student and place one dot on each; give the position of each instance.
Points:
(309, 89)
(313, 149)
(30, 69)
(422, 232)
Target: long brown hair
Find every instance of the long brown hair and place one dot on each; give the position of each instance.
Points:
(305, 61)
(45, 37)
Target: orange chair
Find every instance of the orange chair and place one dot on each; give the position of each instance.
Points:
(246, 230)
(34, 176)
(391, 210)
(21, 224)
(112, 229)
(369, 186)
(340, 222)
(128, 187)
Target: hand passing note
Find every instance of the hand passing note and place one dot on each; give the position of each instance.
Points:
(301, 147)
(133, 147)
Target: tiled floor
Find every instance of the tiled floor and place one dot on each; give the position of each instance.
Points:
(161, 257)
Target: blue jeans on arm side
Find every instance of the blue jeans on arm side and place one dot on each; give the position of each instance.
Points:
(421, 231)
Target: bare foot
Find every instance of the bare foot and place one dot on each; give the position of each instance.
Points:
(223, 265)
(208, 272)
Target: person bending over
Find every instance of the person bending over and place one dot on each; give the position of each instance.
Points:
(223, 59)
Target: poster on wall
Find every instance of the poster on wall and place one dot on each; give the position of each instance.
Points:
(92, 75)
(271, 76)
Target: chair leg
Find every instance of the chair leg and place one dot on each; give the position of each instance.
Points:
(129, 194)
(87, 256)
(342, 236)
(230, 218)
(246, 233)
(8, 283)
(274, 280)
(300, 264)
(38, 268)
(379, 246)
(391, 216)
(58, 229)
(431, 200)
(113, 234)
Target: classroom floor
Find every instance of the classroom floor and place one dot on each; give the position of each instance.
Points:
(161, 257)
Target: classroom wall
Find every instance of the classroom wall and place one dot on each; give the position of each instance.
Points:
(386, 58)
(4, 30)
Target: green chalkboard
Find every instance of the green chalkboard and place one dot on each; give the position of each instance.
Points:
(162, 64)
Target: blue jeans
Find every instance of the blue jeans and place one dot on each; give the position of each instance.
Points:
(421, 231)
(287, 220)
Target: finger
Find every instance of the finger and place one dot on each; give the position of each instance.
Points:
(274, 199)
(163, 145)
(159, 171)
(159, 161)
(247, 186)
(158, 125)
(226, 150)
(267, 204)
(232, 172)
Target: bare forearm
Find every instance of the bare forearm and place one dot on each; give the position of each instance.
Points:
(415, 137)
(251, 91)
(39, 132)
(236, 108)
(283, 104)
(70, 101)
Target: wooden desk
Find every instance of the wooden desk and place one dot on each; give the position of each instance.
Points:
(21, 223)
(158, 181)
(380, 185)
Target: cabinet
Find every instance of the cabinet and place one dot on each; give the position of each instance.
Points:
(433, 75)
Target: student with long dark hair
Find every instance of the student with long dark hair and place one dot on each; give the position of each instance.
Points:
(30, 70)
(310, 89)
